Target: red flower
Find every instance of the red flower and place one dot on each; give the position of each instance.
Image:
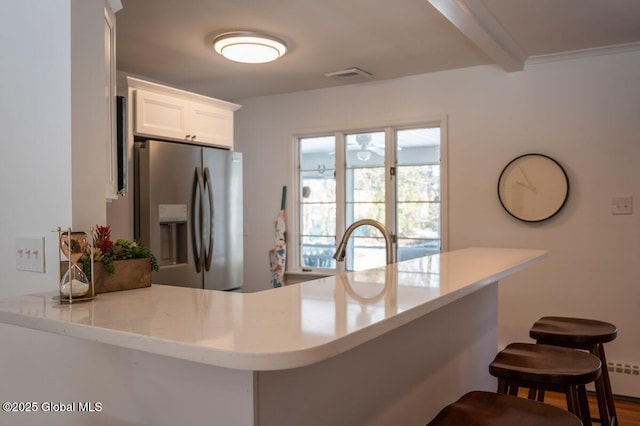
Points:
(102, 239)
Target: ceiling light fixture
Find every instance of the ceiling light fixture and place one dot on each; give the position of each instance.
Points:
(249, 47)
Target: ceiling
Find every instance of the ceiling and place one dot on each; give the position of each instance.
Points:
(170, 40)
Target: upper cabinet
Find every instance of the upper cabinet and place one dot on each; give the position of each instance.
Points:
(210, 124)
(168, 113)
(160, 115)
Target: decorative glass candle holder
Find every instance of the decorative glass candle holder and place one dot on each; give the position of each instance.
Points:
(75, 286)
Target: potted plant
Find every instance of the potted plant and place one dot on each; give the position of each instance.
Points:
(119, 265)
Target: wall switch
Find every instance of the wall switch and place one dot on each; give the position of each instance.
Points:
(622, 205)
(30, 254)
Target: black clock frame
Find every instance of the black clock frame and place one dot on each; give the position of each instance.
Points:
(566, 177)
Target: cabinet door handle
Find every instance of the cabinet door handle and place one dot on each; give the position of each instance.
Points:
(188, 137)
(193, 137)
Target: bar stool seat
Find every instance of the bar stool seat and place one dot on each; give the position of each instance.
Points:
(586, 334)
(546, 367)
(493, 409)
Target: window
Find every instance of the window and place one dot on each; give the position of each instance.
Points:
(393, 175)
(317, 202)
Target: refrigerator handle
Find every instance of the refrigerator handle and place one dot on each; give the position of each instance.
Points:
(209, 185)
(197, 213)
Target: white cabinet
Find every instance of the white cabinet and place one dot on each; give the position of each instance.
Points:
(169, 113)
(111, 189)
(210, 124)
(160, 115)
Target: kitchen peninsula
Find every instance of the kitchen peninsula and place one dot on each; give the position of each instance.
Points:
(390, 345)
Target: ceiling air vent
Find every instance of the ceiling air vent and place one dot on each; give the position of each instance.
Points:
(348, 74)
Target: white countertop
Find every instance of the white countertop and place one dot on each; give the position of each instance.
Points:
(280, 328)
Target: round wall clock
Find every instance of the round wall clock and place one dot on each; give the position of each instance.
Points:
(533, 187)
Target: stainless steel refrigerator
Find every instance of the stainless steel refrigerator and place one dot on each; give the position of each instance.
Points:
(188, 211)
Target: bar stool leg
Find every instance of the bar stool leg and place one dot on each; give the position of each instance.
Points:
(583, 402)
(536, 394)
(502, 386)
(602, 403)
(541, 395)
(612, 418)
(513, 390)
(577, 403)
(572, 401)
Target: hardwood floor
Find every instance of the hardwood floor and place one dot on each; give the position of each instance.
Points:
(628, 410)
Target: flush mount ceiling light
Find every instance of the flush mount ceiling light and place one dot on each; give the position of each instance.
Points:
(249, 47)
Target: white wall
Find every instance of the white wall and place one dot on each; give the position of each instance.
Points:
(38, 64)
(583, 112)
(36, 134)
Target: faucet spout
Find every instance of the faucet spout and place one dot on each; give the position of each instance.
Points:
(341, 251)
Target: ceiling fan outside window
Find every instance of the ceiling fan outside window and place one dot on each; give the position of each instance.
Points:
(366, 144)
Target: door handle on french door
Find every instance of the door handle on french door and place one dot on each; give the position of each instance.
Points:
(197, 214)
(209, 185)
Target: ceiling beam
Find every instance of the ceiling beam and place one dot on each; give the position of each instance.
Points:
(475, 21)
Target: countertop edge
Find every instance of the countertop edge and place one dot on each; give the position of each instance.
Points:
(254, 361)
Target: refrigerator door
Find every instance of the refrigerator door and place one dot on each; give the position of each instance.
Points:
(223, 239)
(169, 182)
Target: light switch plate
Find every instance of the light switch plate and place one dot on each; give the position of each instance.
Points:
(30, 254)
(622, 205)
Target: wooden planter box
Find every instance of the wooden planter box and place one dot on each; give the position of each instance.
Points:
(130, 274)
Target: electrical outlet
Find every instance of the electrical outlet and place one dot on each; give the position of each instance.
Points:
(30, 254)
(622, 205)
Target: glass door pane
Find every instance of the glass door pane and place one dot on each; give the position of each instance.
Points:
(365, 198)
(418, 207)
(317, 202)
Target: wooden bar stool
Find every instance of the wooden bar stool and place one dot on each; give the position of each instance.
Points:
(586, 334)
(546, 367)
(493, 409)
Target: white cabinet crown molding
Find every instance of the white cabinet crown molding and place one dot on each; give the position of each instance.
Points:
(159, 88)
